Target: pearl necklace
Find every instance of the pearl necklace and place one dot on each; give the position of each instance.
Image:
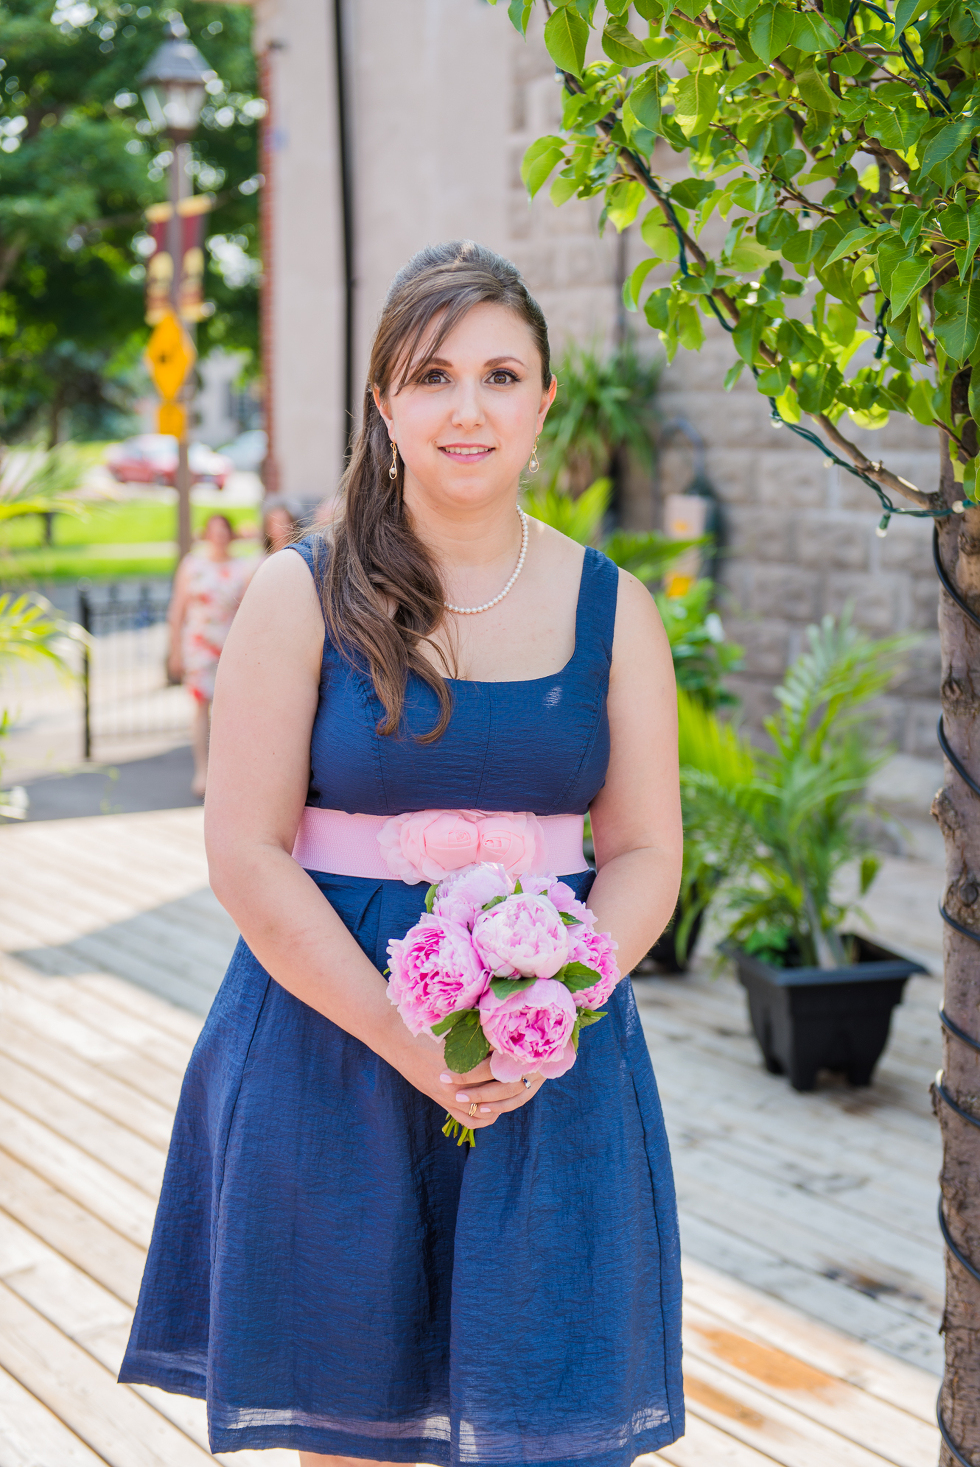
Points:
(474, 610)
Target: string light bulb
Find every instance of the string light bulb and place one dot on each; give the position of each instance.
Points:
(881, 529)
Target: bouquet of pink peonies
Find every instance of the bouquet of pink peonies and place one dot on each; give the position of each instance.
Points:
(513, 969)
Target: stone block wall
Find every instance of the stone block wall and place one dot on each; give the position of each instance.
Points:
(799, 535)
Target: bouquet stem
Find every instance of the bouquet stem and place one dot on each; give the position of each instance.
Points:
(453, 1128)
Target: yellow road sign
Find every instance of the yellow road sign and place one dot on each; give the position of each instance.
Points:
(171, 418)
(170, 356)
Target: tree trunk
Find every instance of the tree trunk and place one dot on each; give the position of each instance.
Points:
(957, 809)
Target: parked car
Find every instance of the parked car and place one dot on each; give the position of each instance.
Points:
(248, 450)
(151, 458)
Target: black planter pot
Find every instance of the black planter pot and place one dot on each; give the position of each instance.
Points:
(807, 1019)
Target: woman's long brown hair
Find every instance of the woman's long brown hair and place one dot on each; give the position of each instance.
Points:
(382, 594)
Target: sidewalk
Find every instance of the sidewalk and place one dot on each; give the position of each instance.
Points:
(819, 1208)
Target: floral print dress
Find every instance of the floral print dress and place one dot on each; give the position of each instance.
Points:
(214, 593)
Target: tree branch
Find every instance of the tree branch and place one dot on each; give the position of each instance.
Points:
(876, 471)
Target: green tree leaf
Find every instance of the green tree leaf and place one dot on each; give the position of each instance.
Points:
(696, 100)
(621, 46)
(812, 34)
(644, 99)
(540, 161)
(815, 91)
(771, 31)
(748, 334)
(942, 148)
(566, 36)
(908, 279)
(957, 324)
(520, 13)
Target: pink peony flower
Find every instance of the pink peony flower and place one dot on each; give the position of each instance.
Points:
(595, 950)
(461, 897)
(434, 970)
(523, 935)
(531, 1030)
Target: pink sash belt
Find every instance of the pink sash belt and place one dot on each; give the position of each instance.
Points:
(426, 845)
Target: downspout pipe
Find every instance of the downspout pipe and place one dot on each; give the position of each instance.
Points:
(347, 218)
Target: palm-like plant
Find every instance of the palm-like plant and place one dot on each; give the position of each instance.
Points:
(33, 481)
(782, 828)
(603, 406)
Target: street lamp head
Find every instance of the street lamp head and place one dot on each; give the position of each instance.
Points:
(173, 87)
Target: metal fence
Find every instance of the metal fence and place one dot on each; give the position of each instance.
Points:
(128, 699)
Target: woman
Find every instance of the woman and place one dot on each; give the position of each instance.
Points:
(208, 589)
(329, 1270)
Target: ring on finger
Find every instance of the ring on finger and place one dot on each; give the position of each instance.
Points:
(525, 1082)
(473, 1109)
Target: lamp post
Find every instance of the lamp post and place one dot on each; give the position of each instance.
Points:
(174, 85)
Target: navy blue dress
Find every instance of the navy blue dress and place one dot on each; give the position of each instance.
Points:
(330, 1271)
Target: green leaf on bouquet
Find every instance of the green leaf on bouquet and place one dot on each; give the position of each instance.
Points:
(590, 1016)
(458, 1016)
(430, 898)
(493, 902)
(576, 976)
(504, 987)
(570, 921)
(518, 889)
(466, 1046)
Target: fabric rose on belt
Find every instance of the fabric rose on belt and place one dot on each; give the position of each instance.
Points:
(427, 844)
(530, 1030)
(595, 950)
(513, 840)
(434, 970)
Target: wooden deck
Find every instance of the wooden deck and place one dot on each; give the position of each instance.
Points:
(106, 927)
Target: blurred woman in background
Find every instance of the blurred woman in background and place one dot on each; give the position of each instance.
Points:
(208, 589)
(280, 524)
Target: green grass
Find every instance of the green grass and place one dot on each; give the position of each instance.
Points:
(110, 541)
(131, 522)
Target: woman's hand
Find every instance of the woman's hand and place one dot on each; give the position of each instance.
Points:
(492, 1097)
(175, 665)
(420, 1059)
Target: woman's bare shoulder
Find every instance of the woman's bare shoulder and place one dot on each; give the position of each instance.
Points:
(558, 552)
(280, 605)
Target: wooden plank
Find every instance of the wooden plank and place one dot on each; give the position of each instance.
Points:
(759, 1421)
(32, 1436)
(703, 1445)
(56, 1288)
(88, 1182)
(111, 1097)
(111, 1419)
(74, 1120)
(835, 1302)
(105, 1018)
(49, 1020)
(888, 1379)
(74, 1232)
(830, 1236)
(80, 914)
(816, 1394)
(167, 1016)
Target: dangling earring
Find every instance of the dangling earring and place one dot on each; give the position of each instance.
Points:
(532, 463)
(393, 471)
